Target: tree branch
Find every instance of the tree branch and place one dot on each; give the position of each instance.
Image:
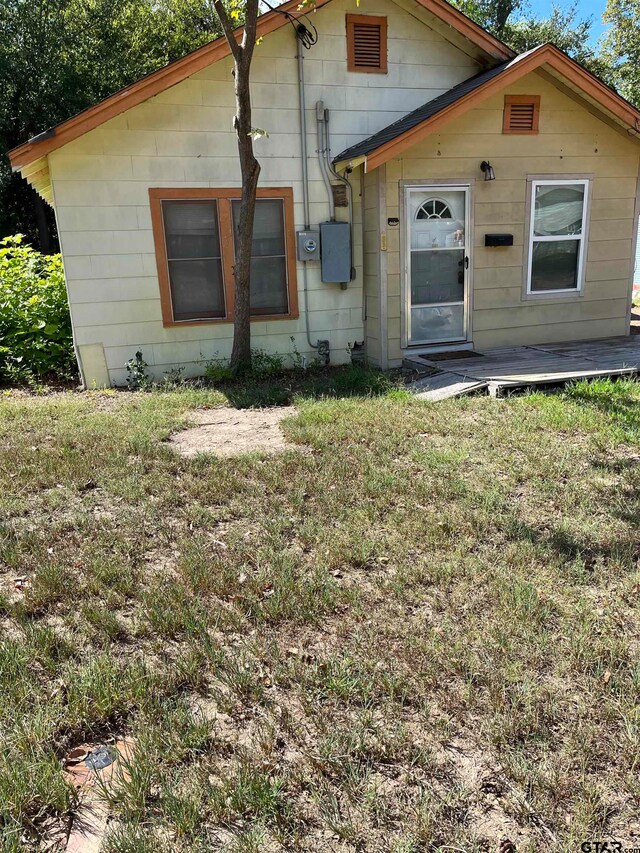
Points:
(228, 30)
(250, 24)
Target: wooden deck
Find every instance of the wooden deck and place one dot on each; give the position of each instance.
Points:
(508, 368)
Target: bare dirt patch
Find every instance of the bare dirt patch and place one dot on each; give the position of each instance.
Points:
(226, 432)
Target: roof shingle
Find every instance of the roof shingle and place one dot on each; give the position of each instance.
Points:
(426, 111)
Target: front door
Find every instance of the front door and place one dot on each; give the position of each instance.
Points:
(437, 266)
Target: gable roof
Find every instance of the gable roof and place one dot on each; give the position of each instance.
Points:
(410, 129)
(175, 72)
(419, 115)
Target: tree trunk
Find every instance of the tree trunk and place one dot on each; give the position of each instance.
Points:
(250, 171)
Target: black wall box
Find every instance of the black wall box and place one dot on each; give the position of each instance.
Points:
(498, 239)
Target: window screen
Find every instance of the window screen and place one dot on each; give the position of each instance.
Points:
(269, 294)
(194, 259)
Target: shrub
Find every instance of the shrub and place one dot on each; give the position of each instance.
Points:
(35, 325)
(137, 377)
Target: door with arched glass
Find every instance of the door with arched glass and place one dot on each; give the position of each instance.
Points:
(437, 265)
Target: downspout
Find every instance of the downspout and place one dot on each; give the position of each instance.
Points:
(305, 182)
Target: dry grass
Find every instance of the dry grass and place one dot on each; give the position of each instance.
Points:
(421, 635)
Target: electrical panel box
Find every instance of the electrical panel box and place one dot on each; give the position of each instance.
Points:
(335, 251)
(308, 245)
(498, 240)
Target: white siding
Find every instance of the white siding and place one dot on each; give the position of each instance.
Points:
(184, 137)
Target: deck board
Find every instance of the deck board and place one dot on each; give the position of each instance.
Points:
(545, 364)
(443, 385)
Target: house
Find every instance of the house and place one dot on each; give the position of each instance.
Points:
(422, 188)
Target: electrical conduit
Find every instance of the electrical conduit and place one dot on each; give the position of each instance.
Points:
(305, 182)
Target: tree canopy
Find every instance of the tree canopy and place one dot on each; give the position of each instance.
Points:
(621, 47)
(58, 57)
(512, 22)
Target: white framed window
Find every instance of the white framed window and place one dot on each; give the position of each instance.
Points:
(557, 236)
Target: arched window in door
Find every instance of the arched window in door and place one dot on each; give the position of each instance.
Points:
(434, 208)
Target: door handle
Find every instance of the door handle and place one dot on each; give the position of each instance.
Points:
(466, 262)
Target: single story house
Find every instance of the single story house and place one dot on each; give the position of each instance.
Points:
(422, 188)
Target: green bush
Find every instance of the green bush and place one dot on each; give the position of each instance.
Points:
(35, 325)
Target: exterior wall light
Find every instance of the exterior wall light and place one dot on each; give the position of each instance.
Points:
(487, 168)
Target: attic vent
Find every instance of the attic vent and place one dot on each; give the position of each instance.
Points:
(521, 113)
(367, 44)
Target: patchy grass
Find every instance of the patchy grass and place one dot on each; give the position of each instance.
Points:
(421, 635)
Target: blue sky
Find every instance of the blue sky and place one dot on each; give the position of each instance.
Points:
(586, 9)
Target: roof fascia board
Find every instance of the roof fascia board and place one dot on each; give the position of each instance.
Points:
(549, 55)
(465, 26)
(176, 72)
(145, 88)
(477, 45)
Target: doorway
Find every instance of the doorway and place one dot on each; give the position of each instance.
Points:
(437, 273)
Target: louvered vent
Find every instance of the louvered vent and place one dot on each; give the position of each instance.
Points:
(521, 117)
(521, 113)
(366, 46)
(366, 43)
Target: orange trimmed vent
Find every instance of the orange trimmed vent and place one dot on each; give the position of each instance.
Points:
(521, 113)
(367, 44)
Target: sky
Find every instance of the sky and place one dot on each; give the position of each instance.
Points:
(586, 9)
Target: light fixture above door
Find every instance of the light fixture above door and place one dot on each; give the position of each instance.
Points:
(487, 168)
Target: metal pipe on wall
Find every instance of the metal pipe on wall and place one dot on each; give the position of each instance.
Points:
(322, 156)
(343, 179)
(305, 182)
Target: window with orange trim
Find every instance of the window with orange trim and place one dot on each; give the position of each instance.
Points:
(367, 44)
(195, 240)
(521, 113)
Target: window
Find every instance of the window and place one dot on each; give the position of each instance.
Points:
(521, 113)
(194, 259)
(195, 236)
(434, 208)
(367, 44)
(268, 257)
(557, 235)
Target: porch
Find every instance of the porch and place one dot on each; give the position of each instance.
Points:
(498, 371)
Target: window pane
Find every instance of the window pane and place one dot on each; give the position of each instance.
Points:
(196, 289)
(269, 294)
(269, 286)
(191, 229)
(555, 265)
(437, 324)
(558, 209)
(268, 227)
(437, 276)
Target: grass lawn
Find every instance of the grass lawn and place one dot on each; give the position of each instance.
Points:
(420, 633)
